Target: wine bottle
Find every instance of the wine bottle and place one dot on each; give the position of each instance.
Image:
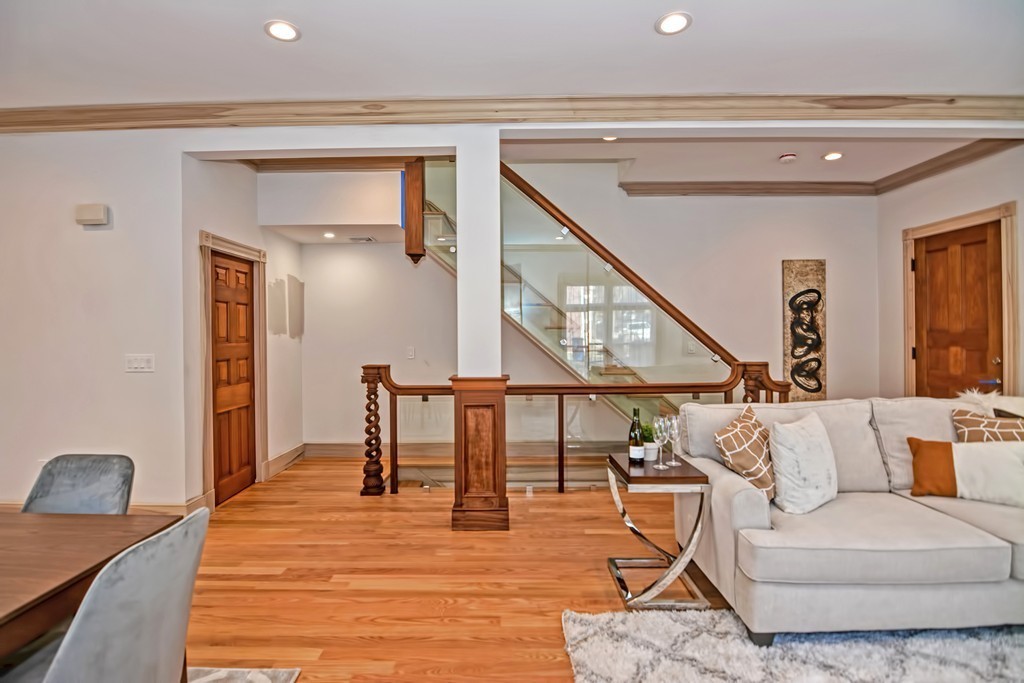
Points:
(636, 439)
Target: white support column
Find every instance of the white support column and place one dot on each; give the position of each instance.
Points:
(478, 192)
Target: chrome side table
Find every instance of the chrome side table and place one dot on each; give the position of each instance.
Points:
(645, 479)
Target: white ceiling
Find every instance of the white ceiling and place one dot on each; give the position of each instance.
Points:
(55, 52)
(864, 160)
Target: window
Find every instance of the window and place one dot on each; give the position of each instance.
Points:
(589, 338)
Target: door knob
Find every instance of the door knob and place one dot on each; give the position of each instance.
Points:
(997, 361)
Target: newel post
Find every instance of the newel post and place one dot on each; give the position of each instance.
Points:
(758, 379)
(373, 470)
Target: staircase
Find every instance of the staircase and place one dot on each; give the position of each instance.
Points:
(579, 304)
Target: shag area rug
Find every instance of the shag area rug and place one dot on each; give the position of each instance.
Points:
(712, 645)
(201, 675)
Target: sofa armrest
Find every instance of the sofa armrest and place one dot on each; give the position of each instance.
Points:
(735, 504)
(734, 500)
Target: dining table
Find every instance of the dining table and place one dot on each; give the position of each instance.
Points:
(48, 562)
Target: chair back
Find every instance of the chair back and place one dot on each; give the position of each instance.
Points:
(83, 484)
(131, 625)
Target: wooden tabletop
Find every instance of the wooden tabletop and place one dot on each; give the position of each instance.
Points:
(645, 473)
(48, 561)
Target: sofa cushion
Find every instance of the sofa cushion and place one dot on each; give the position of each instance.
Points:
(871, 538)
(1002, 521)
(805, 466)
(847, 421)
(895, 419)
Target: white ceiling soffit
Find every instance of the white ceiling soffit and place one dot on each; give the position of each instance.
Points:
(733, 160)
(314, 234)
(62, 52)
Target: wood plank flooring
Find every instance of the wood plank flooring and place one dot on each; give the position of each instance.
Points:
(302, 572)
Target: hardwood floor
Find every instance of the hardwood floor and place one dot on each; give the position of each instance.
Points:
(303, 572)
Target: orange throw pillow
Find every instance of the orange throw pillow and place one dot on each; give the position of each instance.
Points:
(933, 468)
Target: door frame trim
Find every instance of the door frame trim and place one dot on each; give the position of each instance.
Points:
(208, 243)
(1006, 214)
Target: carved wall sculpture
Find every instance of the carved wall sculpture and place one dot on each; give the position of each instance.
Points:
(803, 336)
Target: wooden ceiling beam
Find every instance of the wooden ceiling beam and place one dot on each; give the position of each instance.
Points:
(512, 110)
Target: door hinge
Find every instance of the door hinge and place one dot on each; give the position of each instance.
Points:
(913, 353)
(913, 265)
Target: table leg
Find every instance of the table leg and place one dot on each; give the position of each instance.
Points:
(674, 565)
(184, 667)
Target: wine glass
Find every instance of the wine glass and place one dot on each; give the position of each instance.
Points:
(661, 430)
(674, 435)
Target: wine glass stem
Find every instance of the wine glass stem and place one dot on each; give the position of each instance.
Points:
(661, 451)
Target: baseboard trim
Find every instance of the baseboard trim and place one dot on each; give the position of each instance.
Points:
(280, 463)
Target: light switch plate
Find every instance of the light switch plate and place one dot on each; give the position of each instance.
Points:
(139, 362)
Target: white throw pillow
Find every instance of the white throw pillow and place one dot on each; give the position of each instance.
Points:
(805, 466)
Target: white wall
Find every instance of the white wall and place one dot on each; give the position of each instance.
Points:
(330, 198)
(218, 197)
(980, 185)
(719, 259)
(284, 346)
(75, 300)
(367, 304)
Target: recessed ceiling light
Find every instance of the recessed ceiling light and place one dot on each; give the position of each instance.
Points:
(833, 156)
(442, 239)
(787, 158)
(610, 138)
(673, 23)
(560, 237)
(282, 30)
(451, 249)
(329, 235)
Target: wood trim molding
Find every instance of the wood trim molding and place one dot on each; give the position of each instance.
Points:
(230, 247)
(512, 110)
(603, 253)
(753, 188)
(279, 463)
(328, 164)
(979, 149)
(971, 152)
(1006, 214)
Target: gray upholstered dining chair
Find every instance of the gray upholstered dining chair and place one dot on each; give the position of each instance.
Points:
(131, 625)
(84, 484)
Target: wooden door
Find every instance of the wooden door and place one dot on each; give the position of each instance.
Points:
(234, 420)
(958, 310)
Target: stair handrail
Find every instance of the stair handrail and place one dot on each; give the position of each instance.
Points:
(628, 273)
(753, 375)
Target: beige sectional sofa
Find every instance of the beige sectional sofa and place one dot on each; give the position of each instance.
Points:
(874, 558)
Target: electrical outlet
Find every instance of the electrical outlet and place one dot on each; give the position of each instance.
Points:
(139, 362)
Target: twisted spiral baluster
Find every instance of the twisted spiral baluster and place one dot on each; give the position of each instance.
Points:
(373, 480)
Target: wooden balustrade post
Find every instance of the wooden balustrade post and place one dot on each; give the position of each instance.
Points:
(373, 481)
(481, 500)
(757, 379)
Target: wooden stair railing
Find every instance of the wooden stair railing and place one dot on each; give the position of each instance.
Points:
(758, 387)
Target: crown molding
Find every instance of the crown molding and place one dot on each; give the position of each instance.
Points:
(961, 156)
(511, 110)
(751, 188)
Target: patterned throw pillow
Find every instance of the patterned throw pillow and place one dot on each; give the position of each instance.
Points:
(973, 427)
(743, 444)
